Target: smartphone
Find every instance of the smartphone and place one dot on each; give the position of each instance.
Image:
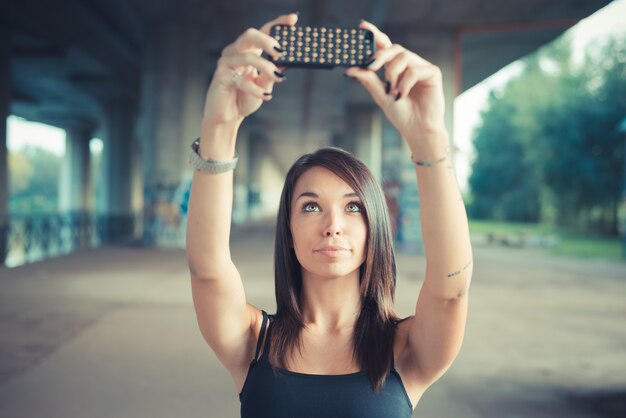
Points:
(323, 47)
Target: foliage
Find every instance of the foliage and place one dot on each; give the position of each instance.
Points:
(21, 172)
(33, 181)
(502, 172)
(549, 143)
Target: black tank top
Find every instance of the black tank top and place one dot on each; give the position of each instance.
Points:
(297, 395)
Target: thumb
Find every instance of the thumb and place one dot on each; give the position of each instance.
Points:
(368, 79)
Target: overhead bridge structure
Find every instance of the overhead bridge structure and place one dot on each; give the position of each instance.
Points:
(134, 73)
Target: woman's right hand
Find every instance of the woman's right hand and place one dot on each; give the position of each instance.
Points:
(243, 80)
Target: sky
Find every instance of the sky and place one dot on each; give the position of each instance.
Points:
(606, 22)
(21, 133)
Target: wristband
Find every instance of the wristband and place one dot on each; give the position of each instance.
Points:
(209, 166)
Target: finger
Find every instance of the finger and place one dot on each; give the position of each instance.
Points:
(394, 70)
(230, 63)
(246, 85)
(254, 39)
(383, 56)
(381, 40)
(266, 81)
(281, 70)
(288, 19)
(415, 75)
(374, 85)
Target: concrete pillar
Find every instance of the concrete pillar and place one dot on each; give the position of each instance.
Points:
(252, 149)
(241, 182)
(445, 60)
(5, 102)
(113, 203)
(364, 137)
(398, 172)
(400, 187)
(175, 77)
(75, 181)
(257, 146)
(438, 48)
(175, 81)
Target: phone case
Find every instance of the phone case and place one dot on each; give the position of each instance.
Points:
(323, 47)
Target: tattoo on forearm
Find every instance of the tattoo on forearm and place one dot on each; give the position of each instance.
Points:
(456, 273)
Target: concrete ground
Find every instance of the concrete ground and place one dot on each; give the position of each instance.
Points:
(111, 333)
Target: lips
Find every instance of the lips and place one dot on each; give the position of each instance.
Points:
(332, 251)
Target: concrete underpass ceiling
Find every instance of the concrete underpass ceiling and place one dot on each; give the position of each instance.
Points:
(72, 57)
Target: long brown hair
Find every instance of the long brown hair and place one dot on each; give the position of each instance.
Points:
(374, 328)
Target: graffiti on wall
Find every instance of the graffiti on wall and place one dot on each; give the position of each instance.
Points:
(165, 213)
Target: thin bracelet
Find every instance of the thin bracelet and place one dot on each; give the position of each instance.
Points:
(431, 163)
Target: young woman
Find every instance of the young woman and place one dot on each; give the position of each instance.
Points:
(335, 347)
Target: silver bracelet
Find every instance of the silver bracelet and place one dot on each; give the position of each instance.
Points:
(431, 163)
(209, 166)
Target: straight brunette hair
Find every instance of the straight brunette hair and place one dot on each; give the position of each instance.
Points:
(375, 326)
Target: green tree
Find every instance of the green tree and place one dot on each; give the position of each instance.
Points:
(20, 172)
(505, 175)
(34, 177)
(585, 153)
(548, 141)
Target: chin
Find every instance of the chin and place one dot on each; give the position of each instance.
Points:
(332, 272)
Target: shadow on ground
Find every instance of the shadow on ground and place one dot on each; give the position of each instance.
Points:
(604, 404)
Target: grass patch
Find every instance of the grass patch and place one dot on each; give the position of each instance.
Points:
(580, 246)
(569, 244)
(512, 228)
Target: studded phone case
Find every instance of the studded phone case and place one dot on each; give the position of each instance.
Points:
(323, 47)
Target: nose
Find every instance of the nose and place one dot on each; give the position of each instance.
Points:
(334, 225)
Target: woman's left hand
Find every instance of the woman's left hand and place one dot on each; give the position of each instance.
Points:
(412, 95)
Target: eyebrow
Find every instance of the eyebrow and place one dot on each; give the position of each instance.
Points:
(315, 195)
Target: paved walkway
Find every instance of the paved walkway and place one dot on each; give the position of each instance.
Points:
(112, 333)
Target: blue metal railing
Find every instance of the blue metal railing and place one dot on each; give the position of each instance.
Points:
(25, 239)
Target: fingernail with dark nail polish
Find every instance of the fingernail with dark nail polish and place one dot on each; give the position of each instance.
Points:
(279, 49)
(387, 87)
(279, 74)
(267, 94)
(398, 96)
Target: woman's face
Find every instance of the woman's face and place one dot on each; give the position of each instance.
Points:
(327, 225)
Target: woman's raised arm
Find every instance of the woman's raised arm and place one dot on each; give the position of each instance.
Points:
(242, 81)
(412, 99)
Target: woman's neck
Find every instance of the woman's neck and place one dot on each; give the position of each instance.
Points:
(330, 304)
